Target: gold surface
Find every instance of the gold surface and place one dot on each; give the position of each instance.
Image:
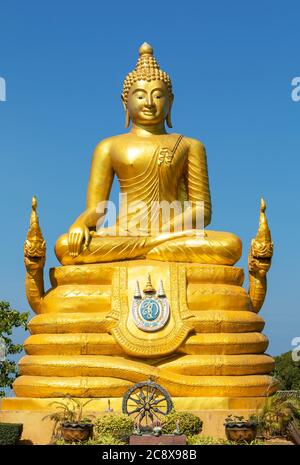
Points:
(100, 405)
(259, 260)
(106, 344)
(195, 365)
(84, 340)
(105, 386)
(204, 321)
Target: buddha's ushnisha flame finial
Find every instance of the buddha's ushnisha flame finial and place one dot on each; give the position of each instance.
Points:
(35, 245)
(146, 69)
(145, 49)
(262, 244)
(146, 62)
(149, 289)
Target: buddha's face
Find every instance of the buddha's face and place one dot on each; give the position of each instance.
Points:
(148, 103)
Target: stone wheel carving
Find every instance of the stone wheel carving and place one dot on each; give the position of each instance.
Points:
(146, 402)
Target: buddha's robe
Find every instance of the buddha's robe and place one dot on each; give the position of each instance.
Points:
(141, 231)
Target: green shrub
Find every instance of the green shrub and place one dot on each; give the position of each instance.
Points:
(9, 320)
(287, 371)
(189, 424)
(62, 442)
(199, 440)
(98, 441)
(107, 439)
(196, 440)
(10, 433)
(226, 442)
(117, 426)
(275, 416)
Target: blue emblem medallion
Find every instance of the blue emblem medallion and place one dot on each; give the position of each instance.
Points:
(150, 311)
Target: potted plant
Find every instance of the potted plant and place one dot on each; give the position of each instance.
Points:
(293, 431)
(238, 429)
(277, 415)
(70, 423)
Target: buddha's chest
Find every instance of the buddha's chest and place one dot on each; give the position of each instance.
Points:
(139, 160)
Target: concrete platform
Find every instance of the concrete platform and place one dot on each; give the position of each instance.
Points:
(212, 411)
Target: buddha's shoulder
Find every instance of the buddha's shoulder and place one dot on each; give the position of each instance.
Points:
(196, 144)
(105, 145)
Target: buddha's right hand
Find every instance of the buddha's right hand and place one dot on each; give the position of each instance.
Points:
(79, 236)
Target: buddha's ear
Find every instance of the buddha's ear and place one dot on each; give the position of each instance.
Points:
(168, 117)
(123, 102)
(127, 117)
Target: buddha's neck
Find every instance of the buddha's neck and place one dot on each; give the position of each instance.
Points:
(148, 131)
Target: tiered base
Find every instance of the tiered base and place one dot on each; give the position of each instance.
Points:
(85, 342)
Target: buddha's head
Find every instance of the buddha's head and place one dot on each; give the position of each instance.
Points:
(147, 92)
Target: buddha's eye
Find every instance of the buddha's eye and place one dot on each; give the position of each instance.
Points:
(140, 97)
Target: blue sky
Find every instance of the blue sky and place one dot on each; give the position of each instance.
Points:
(231, 62)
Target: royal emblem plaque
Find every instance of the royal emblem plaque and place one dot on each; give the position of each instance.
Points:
(151, 310)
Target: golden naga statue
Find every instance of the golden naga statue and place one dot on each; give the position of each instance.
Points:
(194, 328)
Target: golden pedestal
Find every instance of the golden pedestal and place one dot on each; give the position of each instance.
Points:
(209, 356)
(85, 342)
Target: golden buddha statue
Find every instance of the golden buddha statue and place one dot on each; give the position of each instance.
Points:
(151, 166)
(95, 334)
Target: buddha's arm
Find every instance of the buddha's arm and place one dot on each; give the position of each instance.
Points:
(197, 183)
(100, 182)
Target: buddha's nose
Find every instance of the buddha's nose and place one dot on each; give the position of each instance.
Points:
(149, 101)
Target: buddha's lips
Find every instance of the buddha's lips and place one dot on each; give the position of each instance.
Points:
(148, 112)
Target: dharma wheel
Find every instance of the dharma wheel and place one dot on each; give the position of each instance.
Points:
(147, 402)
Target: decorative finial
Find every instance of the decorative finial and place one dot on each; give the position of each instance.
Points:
(145, 49)
(33, 217)
(160, 290)
(34, 202)
(137, 292)
(149, 289)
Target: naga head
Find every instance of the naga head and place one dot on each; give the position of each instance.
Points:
(35, 245)
(261, 250)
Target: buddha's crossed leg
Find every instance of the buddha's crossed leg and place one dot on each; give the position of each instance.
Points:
(186, 246)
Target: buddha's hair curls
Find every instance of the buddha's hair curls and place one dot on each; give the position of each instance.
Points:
(147, 69)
